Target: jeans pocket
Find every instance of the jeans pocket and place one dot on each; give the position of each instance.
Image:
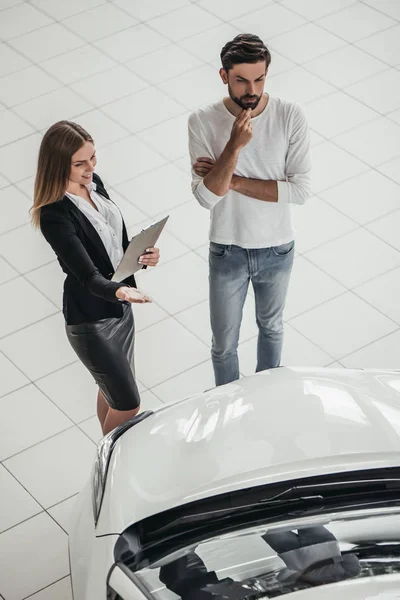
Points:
(217, 250)
(283, 249)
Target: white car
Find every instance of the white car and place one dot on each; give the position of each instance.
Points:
(276, 484)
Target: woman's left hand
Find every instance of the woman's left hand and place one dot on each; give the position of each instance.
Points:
(151, 258)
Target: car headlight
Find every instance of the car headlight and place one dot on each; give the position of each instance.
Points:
(104, 451)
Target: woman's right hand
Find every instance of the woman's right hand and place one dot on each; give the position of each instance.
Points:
(132, 295)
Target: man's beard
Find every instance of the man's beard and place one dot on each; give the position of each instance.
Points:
(245, 101)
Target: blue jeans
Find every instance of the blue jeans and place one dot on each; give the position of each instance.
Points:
(231, 270)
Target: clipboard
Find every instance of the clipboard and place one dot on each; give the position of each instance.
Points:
(137, 246)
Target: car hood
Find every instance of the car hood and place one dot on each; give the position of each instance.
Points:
(278, 425)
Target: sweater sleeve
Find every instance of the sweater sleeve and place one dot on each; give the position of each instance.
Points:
(198, 147)
(60, 233)
(296, 189)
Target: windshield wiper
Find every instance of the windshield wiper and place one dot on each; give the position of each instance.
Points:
(295, 500)
(298, 502)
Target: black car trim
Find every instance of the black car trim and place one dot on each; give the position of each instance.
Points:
(70, 570)
(153, 537)
(115, 435)
(131, 576)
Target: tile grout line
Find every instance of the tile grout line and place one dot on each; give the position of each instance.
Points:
(36, 322)
(50, 437)
(367, 223)
(364, 226)
(369, 167)
(121, 64)
(337, 11)
(42, 511)
(349, 233)
(177, 43)
(349, 290)
(20, 139)
(151, 389)
(379, 11)
(118, 63)
(346, 291)
(174, 315)
(331, 140)
(336, 360)
(41, 292)
(345, 356)
(32, 381)
(397, 326)
(46, 587)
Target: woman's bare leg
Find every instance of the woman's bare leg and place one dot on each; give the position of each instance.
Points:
(117, 417)
(102, 408)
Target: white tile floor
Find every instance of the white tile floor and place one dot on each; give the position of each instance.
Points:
(130, 71)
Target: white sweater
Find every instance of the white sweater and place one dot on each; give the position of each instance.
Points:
(279, 150)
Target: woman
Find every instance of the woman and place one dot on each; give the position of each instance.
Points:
(87, 232)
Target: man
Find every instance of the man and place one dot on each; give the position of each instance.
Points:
(251, 160)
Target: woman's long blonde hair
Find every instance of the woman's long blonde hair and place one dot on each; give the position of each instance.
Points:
(59, 144)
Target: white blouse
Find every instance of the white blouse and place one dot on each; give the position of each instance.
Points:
(107, 221)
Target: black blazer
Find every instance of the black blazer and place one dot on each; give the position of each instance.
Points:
(89, 295)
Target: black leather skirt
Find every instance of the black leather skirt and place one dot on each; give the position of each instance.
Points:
(106, 347)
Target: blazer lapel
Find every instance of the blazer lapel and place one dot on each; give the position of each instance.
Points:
(90, 232)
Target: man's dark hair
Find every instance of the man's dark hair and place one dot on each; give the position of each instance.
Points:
(244, 48)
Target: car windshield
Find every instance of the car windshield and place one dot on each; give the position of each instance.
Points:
(269, 540)
(269, 561)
